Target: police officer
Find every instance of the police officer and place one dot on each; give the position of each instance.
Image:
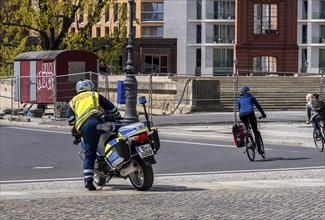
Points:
(83, 113)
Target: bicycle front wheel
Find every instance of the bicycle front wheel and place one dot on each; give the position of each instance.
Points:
(250, 147)
(319, 141)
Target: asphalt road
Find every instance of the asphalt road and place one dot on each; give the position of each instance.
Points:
(30, 153)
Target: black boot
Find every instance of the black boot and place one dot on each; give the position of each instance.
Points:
(90, 186)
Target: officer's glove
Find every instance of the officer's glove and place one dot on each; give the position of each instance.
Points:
(76, 135)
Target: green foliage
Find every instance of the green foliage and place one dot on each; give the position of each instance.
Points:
(45, 26)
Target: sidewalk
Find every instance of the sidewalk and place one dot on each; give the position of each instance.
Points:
(291, 194)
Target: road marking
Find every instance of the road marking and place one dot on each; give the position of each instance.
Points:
(197, 143)
(40, 168)
(38, 130)
(239, 171)
(40, 180)
(171, 174)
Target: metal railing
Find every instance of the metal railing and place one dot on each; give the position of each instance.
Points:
(203, 99)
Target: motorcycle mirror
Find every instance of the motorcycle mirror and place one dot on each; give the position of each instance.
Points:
(142, 100)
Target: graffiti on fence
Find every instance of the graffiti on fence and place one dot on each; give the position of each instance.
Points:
(45, 77)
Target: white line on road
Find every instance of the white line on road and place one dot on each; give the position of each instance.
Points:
(197, 143)
(38, 130)
(171, 174)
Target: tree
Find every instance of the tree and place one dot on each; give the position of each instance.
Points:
(44, 25)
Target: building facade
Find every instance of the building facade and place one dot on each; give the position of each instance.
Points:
(261, 35)
(311, 35)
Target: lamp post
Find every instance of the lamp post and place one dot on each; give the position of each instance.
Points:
(235, 90)
(130, 82)
(321, 83)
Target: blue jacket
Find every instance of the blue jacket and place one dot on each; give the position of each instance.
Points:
(246, 103)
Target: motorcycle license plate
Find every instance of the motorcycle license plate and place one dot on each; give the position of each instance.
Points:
(144, 150)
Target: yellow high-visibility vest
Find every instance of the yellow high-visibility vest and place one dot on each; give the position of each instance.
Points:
(84, 105)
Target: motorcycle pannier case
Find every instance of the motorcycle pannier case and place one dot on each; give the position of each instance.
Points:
(154, 140)
(117, 151)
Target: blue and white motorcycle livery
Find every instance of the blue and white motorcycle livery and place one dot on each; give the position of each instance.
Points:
(127, 151)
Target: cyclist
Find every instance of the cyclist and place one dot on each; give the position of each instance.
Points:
(246, 102)
(312, 115)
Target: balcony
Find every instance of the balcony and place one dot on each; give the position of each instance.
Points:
(317, 40)
(220, 40)
(217, 15)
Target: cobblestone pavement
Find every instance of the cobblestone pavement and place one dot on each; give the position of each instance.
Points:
(286, 194)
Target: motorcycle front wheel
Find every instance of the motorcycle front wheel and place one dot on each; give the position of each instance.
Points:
(142, 179)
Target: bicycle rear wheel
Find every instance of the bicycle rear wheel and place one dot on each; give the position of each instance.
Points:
(319, 141)
(250, 147)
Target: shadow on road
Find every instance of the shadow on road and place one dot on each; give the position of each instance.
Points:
(282, 158)
(156, 188)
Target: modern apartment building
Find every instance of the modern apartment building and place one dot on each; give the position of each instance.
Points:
(311, 35)
(262, 36)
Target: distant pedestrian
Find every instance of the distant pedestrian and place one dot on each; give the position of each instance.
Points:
(246, 102)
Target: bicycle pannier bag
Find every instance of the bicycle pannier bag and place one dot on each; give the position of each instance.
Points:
(238, 133)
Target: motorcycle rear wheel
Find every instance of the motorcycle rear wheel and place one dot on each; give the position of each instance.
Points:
(142, 179)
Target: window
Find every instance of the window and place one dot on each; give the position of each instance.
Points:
(264, 64)
(322, 59)
(81, 15)
(76, 67)
(265, 19)
(115, 12)
(198, 34)
(224, 9)
(106, 31)
(198, 57)
(155, 31)
(304, 34)
(155, 64)
(303, 60)
(199, 9)
(97, 32)
(224, 33)
(304, 10)
(107, 16)
(322, 9)
(223, 61)
(152, 11)
(322, 34)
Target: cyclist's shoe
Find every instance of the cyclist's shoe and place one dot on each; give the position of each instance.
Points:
(318, 135)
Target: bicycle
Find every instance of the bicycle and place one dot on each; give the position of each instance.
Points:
(319, 140)
(251, 144)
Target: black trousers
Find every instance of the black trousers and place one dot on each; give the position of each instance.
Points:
(250, 118)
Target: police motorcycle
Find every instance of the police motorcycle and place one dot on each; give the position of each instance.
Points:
(126, 151)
